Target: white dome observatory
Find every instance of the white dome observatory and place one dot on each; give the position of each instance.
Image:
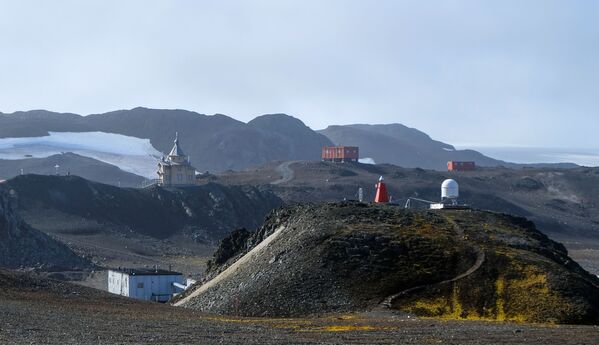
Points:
(450, 190)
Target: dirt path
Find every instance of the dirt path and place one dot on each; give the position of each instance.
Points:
(480, 258)
(231, 269)
(287, 174)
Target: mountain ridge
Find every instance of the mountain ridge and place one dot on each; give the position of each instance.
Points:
(219, 142)
(213, 142)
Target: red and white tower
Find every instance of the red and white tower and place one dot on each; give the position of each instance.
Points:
(381, 192)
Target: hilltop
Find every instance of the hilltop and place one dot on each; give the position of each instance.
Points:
(342, 257)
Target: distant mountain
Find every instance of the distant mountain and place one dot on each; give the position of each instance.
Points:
(408, 147)
(290, 138)
(217, 143)
(73, 164)
(214, 143)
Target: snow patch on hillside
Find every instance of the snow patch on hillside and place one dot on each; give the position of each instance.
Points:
(366, 160)
(134, 155)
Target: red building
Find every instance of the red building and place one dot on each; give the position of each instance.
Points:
(460, 166)
(340, 153)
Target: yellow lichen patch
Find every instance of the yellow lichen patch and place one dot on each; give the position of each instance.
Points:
(456, 306)
(532, 280)
(345, 317)
(428, 307)
(446, 308)
(529, 295)
(283, 322)
(346, 328)
(500, 301)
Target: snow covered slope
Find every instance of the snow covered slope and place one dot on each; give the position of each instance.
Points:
(130, 154)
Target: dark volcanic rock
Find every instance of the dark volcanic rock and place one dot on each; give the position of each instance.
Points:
(529, 184)
(229, 247)
(24, 247)
(340, 257)
(205, 213)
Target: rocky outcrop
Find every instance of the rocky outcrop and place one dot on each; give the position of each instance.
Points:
(24, 247)
(350, 257)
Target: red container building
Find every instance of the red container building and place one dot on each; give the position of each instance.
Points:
(340, 153)
(460, 166)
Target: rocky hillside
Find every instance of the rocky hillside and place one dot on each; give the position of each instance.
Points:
(406, 147)
(205, 213)
(24, 247)
(312, 259)
(214, 143)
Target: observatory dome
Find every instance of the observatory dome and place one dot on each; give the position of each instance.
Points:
(450, 189)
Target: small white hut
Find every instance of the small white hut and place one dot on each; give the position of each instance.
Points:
(146, 284)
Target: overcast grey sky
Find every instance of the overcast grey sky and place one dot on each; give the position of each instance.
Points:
(483, 72)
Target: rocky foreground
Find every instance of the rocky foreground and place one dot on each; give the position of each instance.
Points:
(348, 257)
(38, 311)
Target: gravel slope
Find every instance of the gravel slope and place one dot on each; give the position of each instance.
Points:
(34, 311)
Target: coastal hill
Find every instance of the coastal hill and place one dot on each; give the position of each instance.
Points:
(404, 146)
(410, 148)
(348, 257)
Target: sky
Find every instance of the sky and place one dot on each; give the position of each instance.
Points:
(513, 73)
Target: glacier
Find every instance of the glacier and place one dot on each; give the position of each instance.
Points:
(131, 154)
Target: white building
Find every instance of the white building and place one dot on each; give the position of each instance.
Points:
(146, 284)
